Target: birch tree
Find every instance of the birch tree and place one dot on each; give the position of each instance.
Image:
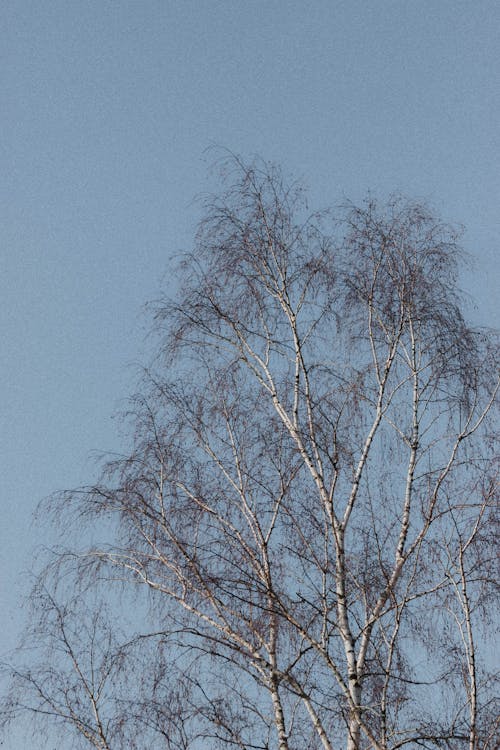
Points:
(309, 498)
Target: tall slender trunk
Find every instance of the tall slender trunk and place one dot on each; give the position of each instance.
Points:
(471, 656)
(279, 718)
(354, 728)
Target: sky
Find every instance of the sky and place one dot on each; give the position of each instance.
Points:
(111, 110)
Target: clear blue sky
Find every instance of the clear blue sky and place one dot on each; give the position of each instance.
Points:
(107, 109)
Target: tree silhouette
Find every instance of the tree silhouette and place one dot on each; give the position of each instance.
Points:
(309, 498)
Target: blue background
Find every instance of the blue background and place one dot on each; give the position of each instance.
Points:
(107, 110)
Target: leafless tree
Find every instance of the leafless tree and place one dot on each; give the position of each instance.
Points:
(310, 496)
(66, 671)
(76, 675)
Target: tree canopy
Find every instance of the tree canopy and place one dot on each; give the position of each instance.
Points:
(308, 505)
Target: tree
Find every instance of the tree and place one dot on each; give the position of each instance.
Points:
(309, 500)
